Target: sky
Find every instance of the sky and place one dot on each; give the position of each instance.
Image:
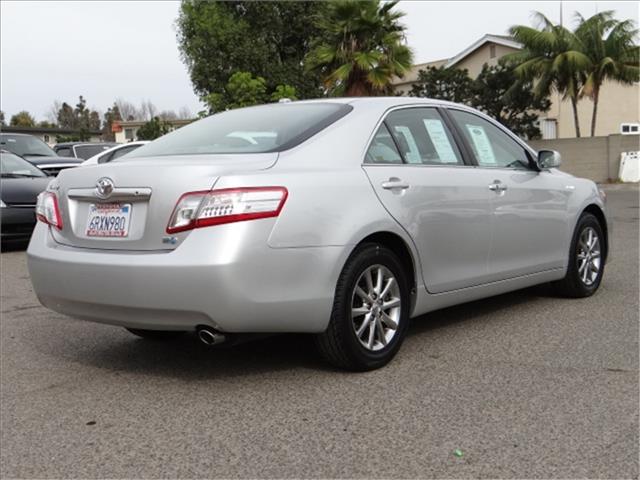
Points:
(103, 50)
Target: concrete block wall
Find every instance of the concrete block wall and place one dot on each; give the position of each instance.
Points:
(597, 158)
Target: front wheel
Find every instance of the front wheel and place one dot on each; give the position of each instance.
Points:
(586, 259)
(370, 311)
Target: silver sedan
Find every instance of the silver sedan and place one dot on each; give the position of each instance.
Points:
(342, 218)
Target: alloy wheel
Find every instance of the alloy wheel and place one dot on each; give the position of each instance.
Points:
(376, 307)
(588, 256)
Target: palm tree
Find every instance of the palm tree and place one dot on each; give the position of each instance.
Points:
(361, 48)
(613, 55)
(553, 57)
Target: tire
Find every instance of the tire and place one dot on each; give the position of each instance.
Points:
(156, 334)
(582, 280)
(340, 344)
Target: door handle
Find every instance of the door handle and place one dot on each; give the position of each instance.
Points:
(395, 183)
(497, 186)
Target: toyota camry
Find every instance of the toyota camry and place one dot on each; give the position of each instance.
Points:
(342, 218)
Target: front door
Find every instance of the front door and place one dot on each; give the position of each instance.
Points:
(529, 207)
(420, 177)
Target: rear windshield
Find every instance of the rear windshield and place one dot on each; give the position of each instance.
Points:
(267, 128)
(25, 145)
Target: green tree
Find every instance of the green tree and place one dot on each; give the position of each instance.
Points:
(46, 124)
(111, 116)
(2, 121)
(499, 93)
(153, 129)
(609, 45)
(284, 91)
(242, 90)
(269, 39)
(80, 118)
(361, 48)
(551, 56)
(22, 119)
(452, 84)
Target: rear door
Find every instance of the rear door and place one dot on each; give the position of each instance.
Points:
(529, 207)
(420, 176)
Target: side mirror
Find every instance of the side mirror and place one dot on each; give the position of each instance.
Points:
(549, 159)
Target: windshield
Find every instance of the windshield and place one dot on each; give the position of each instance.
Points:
(267, 128)
(13, 166)
(88, 151)
(25, 145)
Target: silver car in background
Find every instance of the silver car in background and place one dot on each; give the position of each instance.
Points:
(341, 218)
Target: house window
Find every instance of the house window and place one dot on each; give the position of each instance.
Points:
(129, 133)
(629, 128)
(46, 138)
(492, 51)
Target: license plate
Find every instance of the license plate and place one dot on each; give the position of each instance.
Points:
(108, 220)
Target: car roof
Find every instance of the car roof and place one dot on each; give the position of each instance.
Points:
(76, 144)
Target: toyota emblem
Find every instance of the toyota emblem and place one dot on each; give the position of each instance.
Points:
(104, 187)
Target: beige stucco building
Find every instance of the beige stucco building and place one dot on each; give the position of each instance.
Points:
(618, 108)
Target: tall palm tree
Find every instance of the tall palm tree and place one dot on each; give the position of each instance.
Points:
(613, 55)
(552, 56)
(362, 47)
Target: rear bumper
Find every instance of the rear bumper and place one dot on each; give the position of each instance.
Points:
(225, 277)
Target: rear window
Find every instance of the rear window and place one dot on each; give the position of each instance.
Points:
(263, 129)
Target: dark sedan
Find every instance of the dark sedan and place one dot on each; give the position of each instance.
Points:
(37, 152)
(20, 184)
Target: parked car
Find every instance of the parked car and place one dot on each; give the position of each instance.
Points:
(360, 215)
(114, 152)
(20, 184)
(36, 152)
(81, 150)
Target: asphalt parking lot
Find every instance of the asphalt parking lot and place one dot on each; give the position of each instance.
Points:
(525, 385)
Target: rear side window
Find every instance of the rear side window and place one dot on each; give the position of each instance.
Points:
(267, 128)
(383, 149)
(88, 151)
(423, 137)
(64, 152)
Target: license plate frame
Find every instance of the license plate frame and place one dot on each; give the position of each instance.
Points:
(108, 220)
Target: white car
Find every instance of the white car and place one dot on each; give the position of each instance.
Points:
(113, 153)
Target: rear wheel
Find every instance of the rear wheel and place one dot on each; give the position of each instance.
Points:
(586, 259)
(370, 311)
(156, 334)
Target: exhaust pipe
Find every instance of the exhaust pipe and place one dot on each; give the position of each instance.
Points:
(210, 337)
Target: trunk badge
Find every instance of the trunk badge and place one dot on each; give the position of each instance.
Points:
(104, 187)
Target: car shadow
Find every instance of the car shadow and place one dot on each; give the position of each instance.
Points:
(188, 359)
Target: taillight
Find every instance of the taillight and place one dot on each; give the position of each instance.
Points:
(215, 207)
(47, 209)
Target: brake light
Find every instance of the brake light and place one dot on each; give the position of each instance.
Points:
(47, 209)
(215, 207)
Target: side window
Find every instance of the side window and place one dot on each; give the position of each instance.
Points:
(64, 152)
(382, 148)
(122, 151)
(491, 146)
(423, 138)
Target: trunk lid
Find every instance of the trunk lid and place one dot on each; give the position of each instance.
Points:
(148, 189)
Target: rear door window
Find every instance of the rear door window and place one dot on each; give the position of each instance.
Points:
(423, 137)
